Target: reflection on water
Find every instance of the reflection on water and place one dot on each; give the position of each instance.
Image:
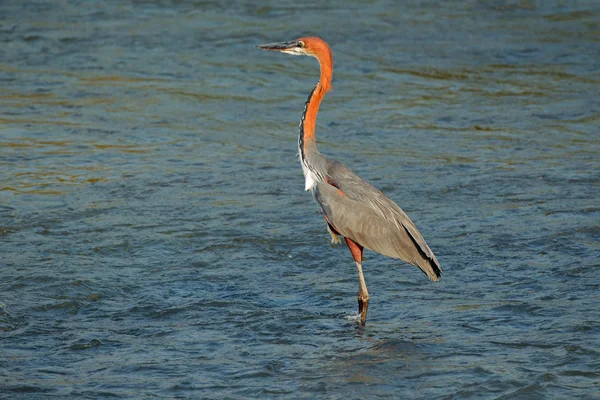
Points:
(156, 240)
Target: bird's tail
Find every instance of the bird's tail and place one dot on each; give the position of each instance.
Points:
(430, 267)
(426, 261)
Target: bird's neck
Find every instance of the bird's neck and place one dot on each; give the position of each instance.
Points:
(311, 109)
(307, 145)
(309, 117)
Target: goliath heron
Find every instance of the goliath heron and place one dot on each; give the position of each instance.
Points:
(353, 208)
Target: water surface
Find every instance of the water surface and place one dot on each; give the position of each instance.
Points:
(156, 240)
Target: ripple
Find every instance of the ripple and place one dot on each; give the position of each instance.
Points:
(157, 241)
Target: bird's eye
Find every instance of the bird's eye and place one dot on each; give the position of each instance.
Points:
(301, 43)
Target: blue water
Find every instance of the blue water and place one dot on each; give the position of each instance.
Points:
(156, 240)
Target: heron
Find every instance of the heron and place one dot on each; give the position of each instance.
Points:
(353, 209)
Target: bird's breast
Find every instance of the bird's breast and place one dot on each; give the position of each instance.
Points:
(310, 178)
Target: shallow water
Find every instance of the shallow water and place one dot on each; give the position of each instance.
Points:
(156, 240)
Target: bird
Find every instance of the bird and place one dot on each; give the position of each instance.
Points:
(353, 208)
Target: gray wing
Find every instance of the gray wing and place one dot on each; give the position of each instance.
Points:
(361, 212)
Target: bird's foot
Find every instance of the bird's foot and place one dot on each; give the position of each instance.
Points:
(335, 238)
(363, 306)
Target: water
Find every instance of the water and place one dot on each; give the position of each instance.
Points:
(156, 240)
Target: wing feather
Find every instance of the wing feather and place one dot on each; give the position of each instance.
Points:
(361, 212)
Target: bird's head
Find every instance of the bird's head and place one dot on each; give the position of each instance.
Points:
(306, 46)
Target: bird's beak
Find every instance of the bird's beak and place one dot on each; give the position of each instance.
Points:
(293, 47)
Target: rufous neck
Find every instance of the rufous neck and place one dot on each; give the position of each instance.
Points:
(314, 100)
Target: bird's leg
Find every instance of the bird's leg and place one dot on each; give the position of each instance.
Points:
(363, 295)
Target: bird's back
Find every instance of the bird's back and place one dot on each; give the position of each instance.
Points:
(361, 212)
